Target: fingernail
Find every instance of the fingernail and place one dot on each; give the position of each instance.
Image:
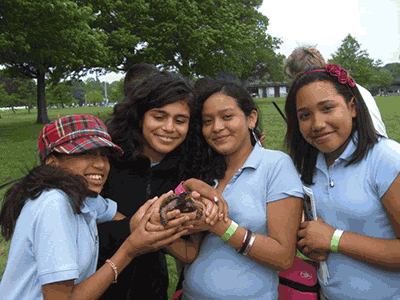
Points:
(215, 199)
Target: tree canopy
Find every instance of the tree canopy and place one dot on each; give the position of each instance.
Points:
(350, 56)
(365, 70)
(47, 40)
(192, 37)
(50, 40)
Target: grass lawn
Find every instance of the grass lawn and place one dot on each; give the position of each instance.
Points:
(18, 138)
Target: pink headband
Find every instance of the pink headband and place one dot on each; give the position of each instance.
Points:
(337, 71)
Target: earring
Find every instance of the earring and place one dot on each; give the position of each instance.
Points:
(255, 137)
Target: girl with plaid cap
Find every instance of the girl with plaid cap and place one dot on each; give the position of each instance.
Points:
(353, 174)
(51, 216)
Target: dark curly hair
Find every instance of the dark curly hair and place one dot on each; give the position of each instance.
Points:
(210, 164)
(125, 125)
(39, 179)
(137, 74)
(303, 154)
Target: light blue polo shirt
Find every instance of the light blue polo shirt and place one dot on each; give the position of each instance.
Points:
(51, 244)
(354, 204)
(219, 272)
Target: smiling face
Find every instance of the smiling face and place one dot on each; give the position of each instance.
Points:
(93, 165)
(325, 119)
(226, 127)
(164, 129)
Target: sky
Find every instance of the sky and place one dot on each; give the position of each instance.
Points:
(375, 24)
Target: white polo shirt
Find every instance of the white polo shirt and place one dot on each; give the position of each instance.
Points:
(51, 243)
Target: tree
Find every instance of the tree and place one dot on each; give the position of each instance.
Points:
(191, 37)
(48, 40)
(116, 92)
(383, 77)
(94, 97)
(16, 91)
(78, 92)
(61, 94)
(9, 100)
(394, 69)
(356, 61)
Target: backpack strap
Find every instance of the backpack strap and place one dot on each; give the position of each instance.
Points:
(298, 286)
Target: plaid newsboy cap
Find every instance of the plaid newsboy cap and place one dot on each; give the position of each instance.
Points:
(75, 134)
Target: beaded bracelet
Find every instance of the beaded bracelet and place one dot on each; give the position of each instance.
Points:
(230, 231)
(253, 237)
(335, 240)
(114, 269)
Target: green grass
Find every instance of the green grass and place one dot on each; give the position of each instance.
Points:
(18, 138)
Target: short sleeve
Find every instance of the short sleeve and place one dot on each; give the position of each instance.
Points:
(103, 208)
(54, 239)
(108, 212)
(386, 164)
(283, 180)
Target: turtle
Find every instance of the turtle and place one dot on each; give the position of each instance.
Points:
(183, 202)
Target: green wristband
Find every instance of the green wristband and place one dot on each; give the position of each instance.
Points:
(335, 240)
(229, 232)
(302, 256)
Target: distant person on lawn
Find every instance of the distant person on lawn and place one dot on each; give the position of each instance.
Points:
(308, 57)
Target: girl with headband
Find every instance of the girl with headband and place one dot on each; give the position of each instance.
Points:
(354, 176)
(51, 216)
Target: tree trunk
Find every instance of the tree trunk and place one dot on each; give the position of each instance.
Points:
(42, 109)
(29, 104)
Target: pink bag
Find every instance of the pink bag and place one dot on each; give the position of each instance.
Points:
(299, 283)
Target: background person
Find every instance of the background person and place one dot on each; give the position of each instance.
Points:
(354, 175)
(308, 57)
(51, 216)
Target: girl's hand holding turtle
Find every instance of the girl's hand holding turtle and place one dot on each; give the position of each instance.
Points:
(142, 240)
(210, 197)
(174, 217)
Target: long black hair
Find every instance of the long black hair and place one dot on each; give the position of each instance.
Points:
(303, 154)
(125, 125)
(39, 179)
(209, 163)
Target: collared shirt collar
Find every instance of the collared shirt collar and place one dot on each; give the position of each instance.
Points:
(253, 161)
(346, 155)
